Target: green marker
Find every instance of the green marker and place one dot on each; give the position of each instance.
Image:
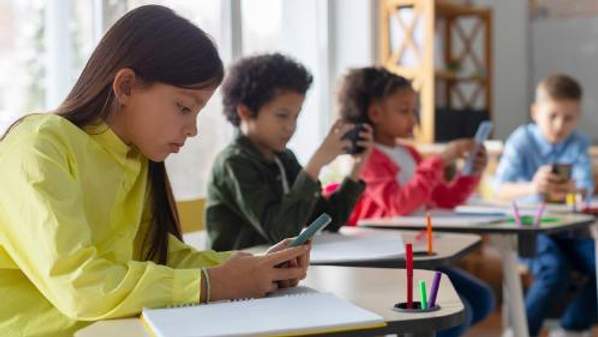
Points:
(423, 297)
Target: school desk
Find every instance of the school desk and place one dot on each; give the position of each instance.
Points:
(504, 235)
(374, 289)
(448, 248)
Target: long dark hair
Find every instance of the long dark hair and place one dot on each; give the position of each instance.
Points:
(159, 46)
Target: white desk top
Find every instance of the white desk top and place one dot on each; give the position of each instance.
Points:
(374, 289)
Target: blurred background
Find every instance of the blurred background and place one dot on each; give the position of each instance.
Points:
(470, 60)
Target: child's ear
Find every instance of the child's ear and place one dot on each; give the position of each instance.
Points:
(123, 84)
(533, 111)
(374, 113)
(244, 112)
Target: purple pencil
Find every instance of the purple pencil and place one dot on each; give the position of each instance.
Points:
(434, 290)
(516, 213)
(538, 219)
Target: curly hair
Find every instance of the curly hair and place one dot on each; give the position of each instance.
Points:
(361, 87)
(256, 80)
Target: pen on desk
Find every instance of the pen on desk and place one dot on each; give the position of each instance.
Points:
(423, 297)
(538, 218)
(516, 214)
(434, 289)
(409, 269)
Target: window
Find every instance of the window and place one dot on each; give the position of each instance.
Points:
(189, 169)
(42, 54)
(304, 37)
(261, 26)
(21, 43)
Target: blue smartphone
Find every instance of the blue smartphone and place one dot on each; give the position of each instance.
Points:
(481, 135)
(311, 230)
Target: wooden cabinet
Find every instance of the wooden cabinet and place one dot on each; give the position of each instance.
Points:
(446, 50)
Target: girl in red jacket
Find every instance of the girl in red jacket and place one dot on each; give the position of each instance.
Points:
(398, 180)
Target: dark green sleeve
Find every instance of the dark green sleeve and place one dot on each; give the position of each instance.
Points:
(340, 204)
(275, 217)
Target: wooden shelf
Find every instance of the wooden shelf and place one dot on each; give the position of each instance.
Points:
(453, 9)
(452, 76)
(465, 35)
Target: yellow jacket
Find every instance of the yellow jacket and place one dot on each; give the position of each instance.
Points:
(73, 216)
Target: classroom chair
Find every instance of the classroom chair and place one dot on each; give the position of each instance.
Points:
(191, 214)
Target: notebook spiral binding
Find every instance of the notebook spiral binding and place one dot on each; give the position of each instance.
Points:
(240, 300)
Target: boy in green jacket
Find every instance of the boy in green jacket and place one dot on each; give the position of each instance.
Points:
(258, 193)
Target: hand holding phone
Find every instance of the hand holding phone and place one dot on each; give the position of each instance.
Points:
(353, 136)
(481, 135)
(320, 222)
(563, 171)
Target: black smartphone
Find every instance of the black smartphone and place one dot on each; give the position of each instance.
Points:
(353, 136)
(564, 171)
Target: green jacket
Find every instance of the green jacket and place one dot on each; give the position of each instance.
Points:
(246, 206)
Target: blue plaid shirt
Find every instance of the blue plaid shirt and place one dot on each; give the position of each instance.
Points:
(527, 149)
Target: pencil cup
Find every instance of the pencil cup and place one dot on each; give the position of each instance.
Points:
(415, 308)
(526, 220)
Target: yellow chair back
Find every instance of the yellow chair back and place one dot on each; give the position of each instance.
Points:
(191, 214)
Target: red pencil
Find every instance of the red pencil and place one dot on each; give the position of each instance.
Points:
(409, 267)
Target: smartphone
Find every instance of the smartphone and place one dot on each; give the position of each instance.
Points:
(320, 222)
(481, 135)
(353, 136)
(564, 171)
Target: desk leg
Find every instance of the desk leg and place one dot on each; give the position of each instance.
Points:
(594, 229)
(507, 246)
(505, 306)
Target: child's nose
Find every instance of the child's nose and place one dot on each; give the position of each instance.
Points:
(191, 130)
(558, 124)
(412, 120)
(290, 127)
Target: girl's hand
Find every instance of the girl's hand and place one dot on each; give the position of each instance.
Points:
(302, 261)
(367, 142)
(480, 161)
(457, 149)
(245, 275)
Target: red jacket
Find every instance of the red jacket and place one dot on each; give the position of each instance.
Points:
(385, 197)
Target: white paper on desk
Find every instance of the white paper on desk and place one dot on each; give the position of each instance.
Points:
(444, 220)
(483, 210)
(357, 244)
(524, 209)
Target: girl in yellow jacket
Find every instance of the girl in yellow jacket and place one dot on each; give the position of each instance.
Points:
(88, 230)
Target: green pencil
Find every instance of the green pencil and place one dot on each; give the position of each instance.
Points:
(423, 297)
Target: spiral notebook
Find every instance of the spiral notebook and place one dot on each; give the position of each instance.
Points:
(299, 311)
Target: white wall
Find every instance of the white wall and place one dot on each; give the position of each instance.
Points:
(511, 64)
(570, 46)
(354, 44)
(343, 39)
